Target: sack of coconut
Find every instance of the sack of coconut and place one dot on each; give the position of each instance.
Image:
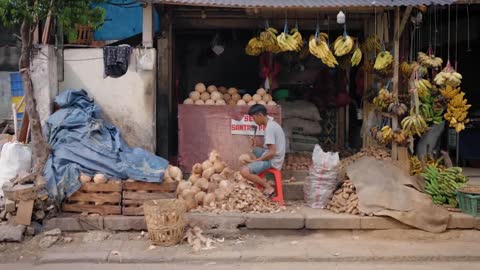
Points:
(322, 179)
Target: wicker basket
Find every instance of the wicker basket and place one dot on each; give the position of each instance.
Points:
(165, 220)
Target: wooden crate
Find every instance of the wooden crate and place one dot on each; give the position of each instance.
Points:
(135, 193)
(103, 199)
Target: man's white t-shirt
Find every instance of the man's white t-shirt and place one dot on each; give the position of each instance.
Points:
(274, 135)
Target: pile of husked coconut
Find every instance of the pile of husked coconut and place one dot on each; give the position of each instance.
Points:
(214, 187)
(212, 95)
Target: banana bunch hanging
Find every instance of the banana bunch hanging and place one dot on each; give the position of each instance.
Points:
(457, 112)
(269, 39)
(254, 46)
(383, 60)
(318, 47)
(372, 43)
(343, 45)
(429, 61)
(356, 57)
(289, 42)
(448, 76)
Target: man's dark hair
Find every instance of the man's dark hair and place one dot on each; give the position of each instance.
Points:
(256, 109)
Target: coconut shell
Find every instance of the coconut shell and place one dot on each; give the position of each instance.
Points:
(183, 185)
(199, 102)
(186, 193)
(232, 91)
(193, 178)
(190, 203)
(209, 200)
(219, 166)
(205, 96)
(84, 178)
(197, 168)
(236, 97)
(216, 96)
(188, 101)
(227, 97)
(210, 102)
(195, 189)
(194, 95)
(261, 102)
(202, 183)
(231, 102)
(251, 103)
(206, 165)
(199, 197)
(241, 102)
(211, 88)
(200, 87)
(217, 178)
(227, 173)
(247, 97)
(272, 103)
(99, 178)
(222, 89)
(213, 156)
(220, 102)
(256, 97)
(261, 92)
(212, 186)
(208, 173)
(175, 172)
(267, 98)
(243, 158)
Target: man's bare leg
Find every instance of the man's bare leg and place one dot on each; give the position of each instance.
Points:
(245, 172)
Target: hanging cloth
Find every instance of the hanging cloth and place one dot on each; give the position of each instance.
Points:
(116, 59)
(269, 70)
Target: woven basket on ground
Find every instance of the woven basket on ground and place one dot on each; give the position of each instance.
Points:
(165, 221)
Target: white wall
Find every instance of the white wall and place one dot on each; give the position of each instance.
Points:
(127, 102)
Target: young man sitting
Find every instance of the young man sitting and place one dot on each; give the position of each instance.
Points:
(267, 155)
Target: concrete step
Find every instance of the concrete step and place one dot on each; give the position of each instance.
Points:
(295, 218)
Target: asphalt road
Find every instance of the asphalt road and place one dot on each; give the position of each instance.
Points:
(256, 266)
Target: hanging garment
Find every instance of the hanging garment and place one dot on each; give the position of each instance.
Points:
(115, 59)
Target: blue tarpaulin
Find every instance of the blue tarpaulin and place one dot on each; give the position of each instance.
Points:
(81, 141)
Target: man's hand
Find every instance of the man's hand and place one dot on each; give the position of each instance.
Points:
(253, 142)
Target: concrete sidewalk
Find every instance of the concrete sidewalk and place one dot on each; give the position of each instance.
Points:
(281, 246)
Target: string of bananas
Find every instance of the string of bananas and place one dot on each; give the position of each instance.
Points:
(269, 39)
(356, 57)
(398, 109)
(343, 45)
(414, 124)
(448, 76)
(406, 69)
(372, 43)
(319, 48)
(416, 166)
(442, 184)
(383, 99)
(429, 61)
(457, 112)
(429, 111)
(288, 43)
(386, 134)
(383, 60)
(254, 47)
(423, 87)
(450, 92)
(400, 137)
(298, 37)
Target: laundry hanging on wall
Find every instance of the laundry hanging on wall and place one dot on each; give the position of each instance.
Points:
(116, 60)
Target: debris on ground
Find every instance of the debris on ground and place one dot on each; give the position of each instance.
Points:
(195, 238)
(297, 161)
(96, 236)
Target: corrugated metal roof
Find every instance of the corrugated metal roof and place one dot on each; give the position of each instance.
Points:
(302, 3)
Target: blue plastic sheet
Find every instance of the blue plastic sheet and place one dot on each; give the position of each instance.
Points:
(82, 141)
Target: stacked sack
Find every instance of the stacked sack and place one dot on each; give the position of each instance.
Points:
(301, 123)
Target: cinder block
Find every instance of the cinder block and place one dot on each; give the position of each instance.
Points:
(324, 219)
(124, 223)
(282, 220)
(74, 223)
(461, 221)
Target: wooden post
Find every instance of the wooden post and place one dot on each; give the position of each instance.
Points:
(164, 87)
(147, 26)
(396, 64)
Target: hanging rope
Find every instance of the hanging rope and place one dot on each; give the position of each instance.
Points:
(468, 29)
(448, 34)
(456, 36)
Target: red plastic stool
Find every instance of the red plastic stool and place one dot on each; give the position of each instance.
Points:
(278, 184)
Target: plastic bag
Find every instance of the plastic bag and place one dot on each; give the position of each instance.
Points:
(145, 59)
(15, 158)
(322, 179)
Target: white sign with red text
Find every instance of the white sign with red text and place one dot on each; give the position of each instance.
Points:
(245, 126)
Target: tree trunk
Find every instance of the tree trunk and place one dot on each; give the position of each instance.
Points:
(40, 147)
